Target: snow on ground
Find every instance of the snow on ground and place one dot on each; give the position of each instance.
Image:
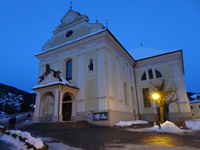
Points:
(193, 124)
(15, 142)
(129, 123)
(53, 144)
(166, 127)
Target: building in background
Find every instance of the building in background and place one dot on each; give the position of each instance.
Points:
(86, 74)
(194, 101)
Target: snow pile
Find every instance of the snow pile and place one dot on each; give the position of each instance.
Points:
(129, 123)
(26, 135)
(167, 127)
(193, 124)
(16, 132)
(36, 142)
(9, 139)
(24, 138)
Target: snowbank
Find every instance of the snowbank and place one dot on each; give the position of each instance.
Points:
(22, 139)
(193, 124)
(129, 123)
(166, 127)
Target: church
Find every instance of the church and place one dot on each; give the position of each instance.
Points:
(85, 74)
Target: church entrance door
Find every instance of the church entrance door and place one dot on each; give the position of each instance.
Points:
(67, 108)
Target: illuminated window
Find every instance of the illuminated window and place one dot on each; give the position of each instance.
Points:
(69, 70)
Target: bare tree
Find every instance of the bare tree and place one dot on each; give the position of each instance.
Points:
(166, 94)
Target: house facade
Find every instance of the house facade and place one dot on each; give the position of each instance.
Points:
(86, 74)
(194, 101)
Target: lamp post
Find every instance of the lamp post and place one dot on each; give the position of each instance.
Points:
(156, 98)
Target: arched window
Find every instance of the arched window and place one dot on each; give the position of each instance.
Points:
(91, 65)
(144, 77)
(158, 74)
(69, 70)
(151, 74)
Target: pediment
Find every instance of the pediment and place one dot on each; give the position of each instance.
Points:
(49, 79)
(72, 16)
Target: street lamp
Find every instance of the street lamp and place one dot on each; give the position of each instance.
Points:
(156, 98)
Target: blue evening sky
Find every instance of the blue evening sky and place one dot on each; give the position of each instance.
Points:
(25, 25)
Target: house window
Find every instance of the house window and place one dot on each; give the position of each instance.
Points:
(198, 106)
(193, 114)
(69, 70)
(191, 107)
(146, 97)
(91, 65)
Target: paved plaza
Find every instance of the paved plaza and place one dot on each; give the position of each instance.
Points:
(100, 138)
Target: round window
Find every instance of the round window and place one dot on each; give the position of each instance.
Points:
(69, 33)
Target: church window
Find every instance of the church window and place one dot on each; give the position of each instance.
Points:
(125, 93)
(91, 65)
(69, 70)
(146, 97)
(144, 76)
(69, 33)
(158, 74)
(150, 74)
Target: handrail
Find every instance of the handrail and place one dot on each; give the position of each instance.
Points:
(87, 117)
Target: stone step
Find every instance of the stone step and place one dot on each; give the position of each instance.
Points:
(150, 124)
(57, 126)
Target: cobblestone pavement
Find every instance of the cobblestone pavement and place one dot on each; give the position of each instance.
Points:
(118, 138)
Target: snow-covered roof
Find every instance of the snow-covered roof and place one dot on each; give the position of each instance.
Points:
(63, 82)
(72, 41)
(195, 98)
(144, 52)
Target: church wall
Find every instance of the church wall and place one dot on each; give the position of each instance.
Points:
(175, 77)
(77, 32)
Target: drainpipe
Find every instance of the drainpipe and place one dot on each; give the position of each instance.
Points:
(136, 90)
(59, 102)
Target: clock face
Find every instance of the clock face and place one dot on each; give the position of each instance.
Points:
(69, 33)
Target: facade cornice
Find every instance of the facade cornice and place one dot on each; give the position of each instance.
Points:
(162, 57)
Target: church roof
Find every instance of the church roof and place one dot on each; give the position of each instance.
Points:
(63, 82)
(144, 52)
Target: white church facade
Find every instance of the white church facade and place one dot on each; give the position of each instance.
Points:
(86, 74)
